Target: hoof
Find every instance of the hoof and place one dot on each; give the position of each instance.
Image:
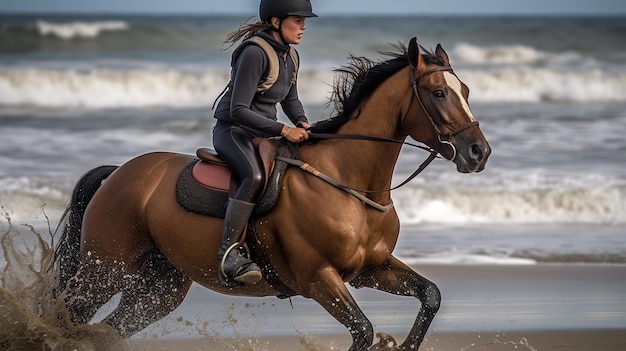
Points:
(385, 342)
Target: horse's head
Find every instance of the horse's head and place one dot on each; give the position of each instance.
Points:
(439, 115)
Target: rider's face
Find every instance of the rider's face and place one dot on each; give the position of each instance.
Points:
(293, 27)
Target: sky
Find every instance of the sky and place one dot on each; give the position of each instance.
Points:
(323, 7)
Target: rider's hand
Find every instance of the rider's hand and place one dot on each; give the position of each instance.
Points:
(304, 125)
(295, 135)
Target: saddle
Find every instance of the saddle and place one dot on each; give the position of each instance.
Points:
(206, 183)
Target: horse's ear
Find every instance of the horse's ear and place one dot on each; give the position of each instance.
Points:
(413, 51)
(415, 57)
(442, 54)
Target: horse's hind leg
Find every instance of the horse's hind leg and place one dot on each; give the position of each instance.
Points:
(91, 287)
(396, 278)
(153, 294)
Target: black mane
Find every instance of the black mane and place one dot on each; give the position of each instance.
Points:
(358, 79)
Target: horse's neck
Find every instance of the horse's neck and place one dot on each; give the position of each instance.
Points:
(381, 114)
(369, 164)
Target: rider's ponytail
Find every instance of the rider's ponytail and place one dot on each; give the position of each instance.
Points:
(245, 31)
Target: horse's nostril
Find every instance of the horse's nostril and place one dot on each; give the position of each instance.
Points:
(476, 152)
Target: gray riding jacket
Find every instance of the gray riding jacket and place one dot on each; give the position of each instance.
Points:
(243, 105)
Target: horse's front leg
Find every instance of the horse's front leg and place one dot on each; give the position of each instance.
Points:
(397, 278)
(330, 291)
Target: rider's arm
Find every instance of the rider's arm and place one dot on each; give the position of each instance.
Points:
(293, 107)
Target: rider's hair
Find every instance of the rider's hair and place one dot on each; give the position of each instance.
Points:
(245, 31)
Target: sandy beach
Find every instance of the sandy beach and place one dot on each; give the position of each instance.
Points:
(535, 307)
(533, 340)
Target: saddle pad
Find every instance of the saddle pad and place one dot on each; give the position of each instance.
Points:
(196, 197)
(209, 196)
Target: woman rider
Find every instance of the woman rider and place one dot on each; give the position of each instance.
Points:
(244, 112)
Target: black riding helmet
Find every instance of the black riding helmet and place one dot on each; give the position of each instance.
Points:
(284, 8)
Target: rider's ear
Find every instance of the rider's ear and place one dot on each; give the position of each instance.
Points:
(415, 57)
(442, 54)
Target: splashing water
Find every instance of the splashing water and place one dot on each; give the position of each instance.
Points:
(30, 317)
(523, 342)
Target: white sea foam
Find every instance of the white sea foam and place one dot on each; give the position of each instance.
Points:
(418, 204)
(106, 88)
(535, 199)
(79, 29)
(137, 88)
(536, 85)
(28, 201)
(467, 258)
(498, 55)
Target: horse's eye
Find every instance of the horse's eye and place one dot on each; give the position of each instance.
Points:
(439, 94)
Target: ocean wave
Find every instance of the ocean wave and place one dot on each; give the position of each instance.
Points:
(27, 199)
(499, 257)
(107, 88)
(101, 88)
(456, 257)
(537, 85)
(420, 203)
(40, 34)
(171, 87)
(528, 204)
(515, 55)
(117, 38)
(79, 29)
(497, 55)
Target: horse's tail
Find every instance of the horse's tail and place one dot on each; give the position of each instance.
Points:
(67, 252)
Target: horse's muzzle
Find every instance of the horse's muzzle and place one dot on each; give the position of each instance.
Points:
(471, 157)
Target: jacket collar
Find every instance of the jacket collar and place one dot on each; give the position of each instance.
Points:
(278, 46)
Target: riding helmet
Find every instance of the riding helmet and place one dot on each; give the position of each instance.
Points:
(284, 8)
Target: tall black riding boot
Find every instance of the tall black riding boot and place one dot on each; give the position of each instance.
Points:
(233, 264)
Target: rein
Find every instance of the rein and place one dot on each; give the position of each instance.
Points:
(353, 191)
(431, 157)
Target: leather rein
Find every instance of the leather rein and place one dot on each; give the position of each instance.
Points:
(444, 139)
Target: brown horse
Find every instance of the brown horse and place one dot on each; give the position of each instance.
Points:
(128, 233)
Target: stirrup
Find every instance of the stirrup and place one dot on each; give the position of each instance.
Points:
(251, 277)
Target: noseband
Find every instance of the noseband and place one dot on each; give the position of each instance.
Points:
(444, 139)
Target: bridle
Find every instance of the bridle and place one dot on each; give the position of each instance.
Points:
(444, 139)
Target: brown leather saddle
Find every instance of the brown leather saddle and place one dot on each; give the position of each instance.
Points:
(205, 184)
(214, 173)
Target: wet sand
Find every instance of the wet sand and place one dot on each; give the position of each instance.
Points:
(493, 308)
(532, 340)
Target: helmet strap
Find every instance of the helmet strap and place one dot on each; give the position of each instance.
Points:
(279, 30)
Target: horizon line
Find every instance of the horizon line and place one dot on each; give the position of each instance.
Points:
(339, 14)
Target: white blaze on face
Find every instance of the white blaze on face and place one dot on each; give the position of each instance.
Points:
(454, 83)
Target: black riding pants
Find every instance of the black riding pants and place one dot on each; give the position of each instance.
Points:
(234, 145)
